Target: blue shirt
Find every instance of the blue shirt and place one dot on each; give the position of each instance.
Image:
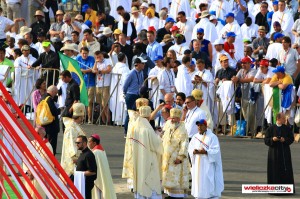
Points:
(134, 82)
(238, 13)
(89, 78)
(154, 49)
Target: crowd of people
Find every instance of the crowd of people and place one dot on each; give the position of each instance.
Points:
(230, 65)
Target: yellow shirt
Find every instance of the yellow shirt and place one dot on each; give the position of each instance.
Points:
(286, 80)
(92, 17)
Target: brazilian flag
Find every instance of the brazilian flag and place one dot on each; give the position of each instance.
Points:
(276, 102)
(73, 66)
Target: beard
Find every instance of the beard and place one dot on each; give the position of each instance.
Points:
(174, 126)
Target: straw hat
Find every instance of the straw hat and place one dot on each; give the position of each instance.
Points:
(39, 13)
(204, 14)
(107, 31)
(145, 111)
(24, 30)
(134, 9)
(78, 109)
(175, 113)
(68, 46)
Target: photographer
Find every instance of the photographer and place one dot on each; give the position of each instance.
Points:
(279, 137)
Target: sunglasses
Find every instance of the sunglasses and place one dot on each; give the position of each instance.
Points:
(78, 142)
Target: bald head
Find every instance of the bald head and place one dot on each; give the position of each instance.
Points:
(52, 90)
(169, 98)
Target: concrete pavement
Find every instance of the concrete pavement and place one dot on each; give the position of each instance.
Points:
(244, 161)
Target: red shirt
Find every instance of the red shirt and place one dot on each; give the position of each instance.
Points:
(229, 48)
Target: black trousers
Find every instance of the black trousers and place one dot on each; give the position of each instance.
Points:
(52, 138)
(54, 6)
(88, 189)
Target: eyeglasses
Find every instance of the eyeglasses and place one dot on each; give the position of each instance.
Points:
(78, 142)
(189, 102)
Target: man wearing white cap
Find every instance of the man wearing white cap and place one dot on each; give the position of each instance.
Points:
(69, 150)
(175, 164)
(146, 152)
(180, 5)
(219, 26)
(103, 184)
(205, 153)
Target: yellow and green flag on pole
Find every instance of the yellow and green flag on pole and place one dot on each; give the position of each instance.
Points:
(73, 66)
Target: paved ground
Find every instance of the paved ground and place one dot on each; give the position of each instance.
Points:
(244, 161)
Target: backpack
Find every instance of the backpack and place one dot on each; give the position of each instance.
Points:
(43, 113)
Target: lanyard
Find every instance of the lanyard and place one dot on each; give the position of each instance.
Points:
(171, 83)
(282, 18)
(285, 56)
(186, 120)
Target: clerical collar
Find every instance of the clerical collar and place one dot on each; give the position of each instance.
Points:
(279, 125)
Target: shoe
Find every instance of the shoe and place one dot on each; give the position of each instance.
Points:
(89, 122)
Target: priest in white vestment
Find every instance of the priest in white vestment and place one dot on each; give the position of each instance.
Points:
(180, 5)
(284, 17)
(185, 26)
(207, 172)
(146, 153)
(117, 104)
(175, 163)
(42, 133)
(69, 150)
(103, 184)
(183, 81)
(210, 32)
(221, 7)
(24, 77)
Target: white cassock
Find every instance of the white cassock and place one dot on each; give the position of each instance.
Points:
(104, 182)
(117, 103)
(154, 21)
(183, 82)
(138, 22)
(154, 85)
(238, 44)
(210, 32)
(219, 27)
(179, 50)
(207, 172)
(273, 51)
(248, 32)
(159, 4)
(285, 19)
(180, 5)
(115, 3)
(186, 29)
(24, 79)
(221, 7)
(114, 59)
(208, 91)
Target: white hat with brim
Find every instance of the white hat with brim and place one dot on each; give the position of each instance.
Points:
(218, 41)
(67, 47)
(107, 31)
(24, 30)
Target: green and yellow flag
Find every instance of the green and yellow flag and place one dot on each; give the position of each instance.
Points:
(276, 102)
(73, 66)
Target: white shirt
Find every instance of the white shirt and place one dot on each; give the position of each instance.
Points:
(248, 32)
(221, 7)
(138, 22)
(289, 60)
(285, 19)
(4, 22)
(261, 76)
(186, 29)
(103, 79)
(191, 118)
(166, 79)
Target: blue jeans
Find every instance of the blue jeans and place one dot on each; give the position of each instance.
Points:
(129, 100)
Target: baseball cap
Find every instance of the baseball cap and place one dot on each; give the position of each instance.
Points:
(231, 34)
(170, 19)
(264, 62)
(219, 41)
(200, 30)
(202, 121)
(46, 43)
(279, 69)
(85, 7)
(223, 57)
(158, 57)
(277, 35)
(139, 60)
(88, 23)
(229, 14)
(151, 28)
(275, 3)
(174, 28)
(246, 60)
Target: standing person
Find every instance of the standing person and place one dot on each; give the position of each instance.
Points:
(191, 114)
(73, 130)
(207, 173)
(103, 69)
(86, 163)
(86, 64)
(37, 95)
(146, 151)
(175, 165)
(154, 48)
(73, 94)
(166, 78)
(90, 42)
(103, 184)
(52, 129)
(279, 137)
(132, 85)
